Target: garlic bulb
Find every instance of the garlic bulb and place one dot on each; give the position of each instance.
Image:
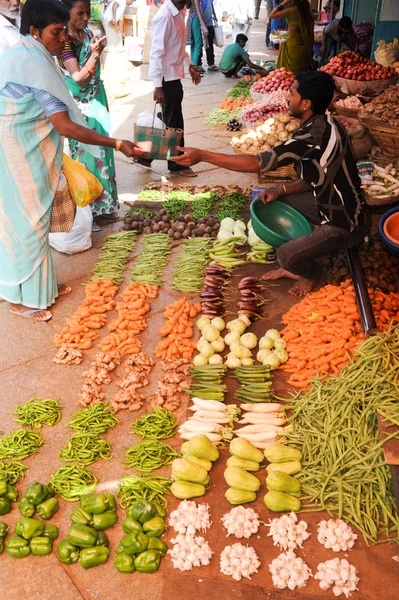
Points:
(241, 522)
(336, 535)
(287, 533)
(340, 574)
(239, 561)
(189, 551)
(190, 517)
(289, 571)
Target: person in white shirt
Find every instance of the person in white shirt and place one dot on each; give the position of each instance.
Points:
(9, 31)
(112, 22)
(167, 58)
(243, 12)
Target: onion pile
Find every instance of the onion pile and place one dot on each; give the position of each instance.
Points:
(280, 79)
(261, 111)
(211, 297)
(350, 65)
(251, 299)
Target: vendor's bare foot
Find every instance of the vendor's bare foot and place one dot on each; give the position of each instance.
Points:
(303, 287)
(63, 289)
(36, 314)
(234, 77)
(279, 274)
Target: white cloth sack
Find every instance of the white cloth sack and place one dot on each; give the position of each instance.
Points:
(79, 238)
(219, 38)
(146, 119)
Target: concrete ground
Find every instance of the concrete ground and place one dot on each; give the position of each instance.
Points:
(26, 370)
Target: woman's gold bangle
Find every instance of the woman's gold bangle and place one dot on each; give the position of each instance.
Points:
(285, 189)
(118, 144)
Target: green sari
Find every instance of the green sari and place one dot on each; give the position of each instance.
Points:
(296, 52)
(92, 101)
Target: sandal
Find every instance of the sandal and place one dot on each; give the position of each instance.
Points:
(63, 289)
(184, 173)
(30, 311)
(95, 228)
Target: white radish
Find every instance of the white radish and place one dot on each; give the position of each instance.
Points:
(263, 407)
(209, 404)
(258, 428)
(257, 437)
(275, 421)
(206, 414)
(262, 417)
(214, 419)
(199, 426)
(262, 445)
(213, 437)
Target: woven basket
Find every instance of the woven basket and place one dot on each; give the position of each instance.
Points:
(383, 135)
(381, 201)
(238, 151)
(351, 113)
(367, 88)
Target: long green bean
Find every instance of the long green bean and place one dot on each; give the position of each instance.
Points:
(72, 482)
(85, 449)
(188, 275)
(97, 418)
(149, 265)
(159, 424)
(147, 487)
(114, 256)
(149, 455)
(37, 412)
(20, 444)
(11, 471)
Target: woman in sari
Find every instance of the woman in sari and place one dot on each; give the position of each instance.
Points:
(81, 59)
(36, 110)
(296, 52)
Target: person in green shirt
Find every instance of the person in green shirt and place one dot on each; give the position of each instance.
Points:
(234, 58)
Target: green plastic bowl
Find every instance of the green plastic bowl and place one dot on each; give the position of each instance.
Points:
(277, 223)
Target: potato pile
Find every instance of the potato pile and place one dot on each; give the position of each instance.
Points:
(274, 131)
(385, 107)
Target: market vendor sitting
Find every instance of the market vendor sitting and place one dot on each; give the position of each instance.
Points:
(234, 58)
(328, 191)
(339, 35)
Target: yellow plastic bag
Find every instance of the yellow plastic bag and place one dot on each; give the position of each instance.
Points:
(84, 187)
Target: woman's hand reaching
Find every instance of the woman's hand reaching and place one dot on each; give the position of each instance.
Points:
(130, 149)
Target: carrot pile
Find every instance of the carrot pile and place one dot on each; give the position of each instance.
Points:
(90, 315)
(130, 321)
(324, 329)
(233, 103)
(177, 330)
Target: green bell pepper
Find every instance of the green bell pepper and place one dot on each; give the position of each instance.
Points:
(134, 543)
(36, 493)
(68, 553)
(141, 511)
(160, 510)
(105, 520)
(48, 508)
(130, 525)
(154, 527)
(83, 536)
(3, 529)
(80, 516)
(40, 546)
(5, 506)
(93, 557)
(29, 528)
(158, 545)
(26, 508)
(1, 545)
(50, 492)
(95, 504)
(102, 539)
(124, 563)
(50, 531)
(3, 488)
(110, 501)
(148, 561)
(17, 547)
(11, 493)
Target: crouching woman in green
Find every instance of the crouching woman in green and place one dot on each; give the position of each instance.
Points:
(36, 111)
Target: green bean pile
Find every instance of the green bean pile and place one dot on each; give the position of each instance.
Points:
(37, 412)
(146, 212)
(159, 424)
(149, 266)
(221, 116)
(188, 275)
(85, 449)
(335, 425)
(97, 418)
(203, 204)
(20, 444)
(73, 481)
(11, 471)
(252, 374)
(114, 256)
(150, 195)
(147, 487)
(175, 203)
(149, 455)
(254, 392)
(231, 206)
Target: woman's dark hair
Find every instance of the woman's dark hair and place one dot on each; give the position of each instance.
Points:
(71, 3)
(318, 87)
(41, 13)
(241, 38)
(306, 14)
(345, 23)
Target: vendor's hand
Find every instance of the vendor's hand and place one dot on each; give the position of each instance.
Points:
(191, 156)
(269, 195)
(130, 149)
(159, 95)
(195, 74)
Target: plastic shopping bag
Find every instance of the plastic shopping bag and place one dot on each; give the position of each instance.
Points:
(83, 186)
(147, 119)
(79, 238)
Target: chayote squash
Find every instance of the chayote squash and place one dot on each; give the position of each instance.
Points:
(247, 465)
(279, 502)
(185, 448)
(278, 453)
(201, 447)
(290, 468)
(281, 482)
(241, 448)
(183, 490)
(187, 471)
(239, 479)
(239, 496)
(201, 462)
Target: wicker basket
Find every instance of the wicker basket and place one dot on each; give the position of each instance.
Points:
(351, 113)
(383, 135)
(367, 88)
(238, 151)
(370, 201)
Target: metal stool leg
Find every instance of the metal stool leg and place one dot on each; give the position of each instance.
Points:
(362, 295)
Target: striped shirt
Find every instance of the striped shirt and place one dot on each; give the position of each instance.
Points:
(49, 103)
(323, 158)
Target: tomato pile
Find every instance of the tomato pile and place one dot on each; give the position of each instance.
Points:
(280, 79)
(352, 66)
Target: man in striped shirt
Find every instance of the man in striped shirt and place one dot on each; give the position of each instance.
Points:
(328, 191)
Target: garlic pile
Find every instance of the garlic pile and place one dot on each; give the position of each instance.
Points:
(338, 573)
(241, 522)
(239, 561)
(287, 532)
(289, 570)
(189, 551)
(336, 535)
(190, 517)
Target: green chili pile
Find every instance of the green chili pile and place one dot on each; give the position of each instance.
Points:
(114, 256)
(73, 481)
(231, 206)
(97, 418)
(203, 204)
(149, 265)
(37, 412)
(146, 212)
(11, 471)
(188, 275)
(159, 424)
(343, 468)
(175, 203)
(85, 449)
(20, 444)
(149, 455)
(147, 487)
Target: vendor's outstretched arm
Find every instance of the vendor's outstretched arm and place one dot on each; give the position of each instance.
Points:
(192, 156)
